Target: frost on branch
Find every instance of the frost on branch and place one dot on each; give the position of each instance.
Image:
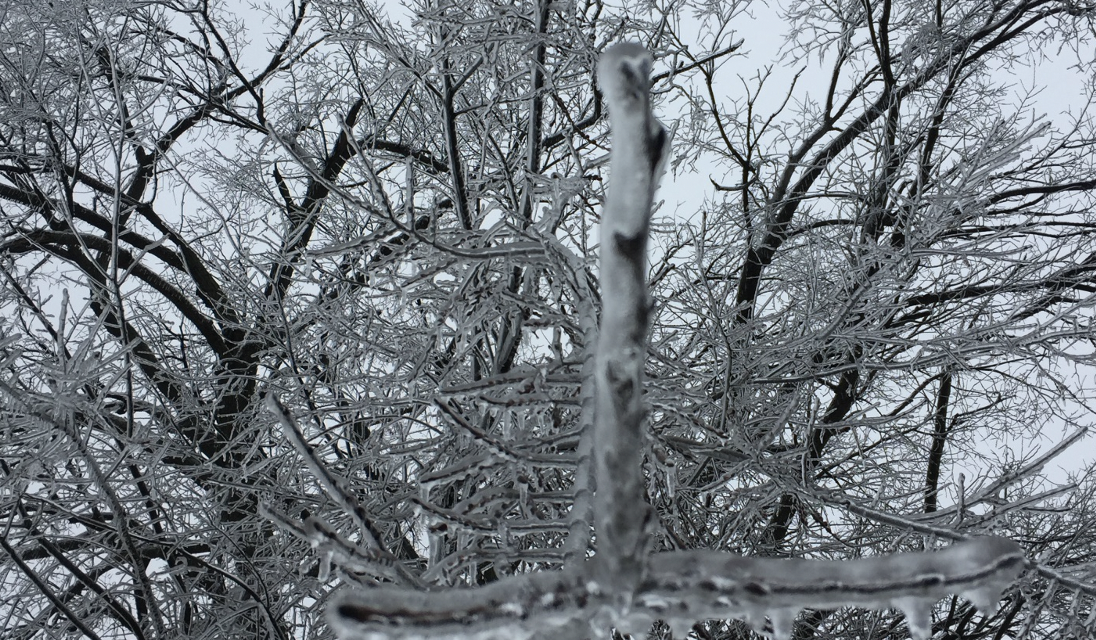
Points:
(624, 585)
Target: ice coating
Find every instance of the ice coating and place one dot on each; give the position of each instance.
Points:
(625, 585)
(684, 587)
(783, 621)
(975, 565)
(515, 607)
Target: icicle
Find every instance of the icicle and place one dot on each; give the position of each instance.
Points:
(918, 613)
(755, 618)
(680, 627)
(325, 565)
(986, 598)
(628, 628)
(783, 623)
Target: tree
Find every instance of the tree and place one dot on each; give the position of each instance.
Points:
(625, 586)
(393, 231)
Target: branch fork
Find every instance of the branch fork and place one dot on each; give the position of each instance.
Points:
(626, 586)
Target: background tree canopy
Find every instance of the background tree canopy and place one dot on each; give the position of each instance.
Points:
(878, 307)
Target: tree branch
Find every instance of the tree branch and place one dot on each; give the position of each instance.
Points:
(622, 587)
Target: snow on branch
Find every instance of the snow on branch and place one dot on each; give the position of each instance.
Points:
(624, 585)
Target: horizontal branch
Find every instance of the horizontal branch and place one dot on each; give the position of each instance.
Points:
(684, 587)
(687, 586)
(513, 608)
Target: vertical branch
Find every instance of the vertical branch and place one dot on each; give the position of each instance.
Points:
(452, 146)
(536, 108)
(939, 439)
(638, 144)
(579, 525)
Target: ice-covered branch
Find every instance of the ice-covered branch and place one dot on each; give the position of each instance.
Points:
(684, 587)
(624, 586)
(512, 608)
(639, 143)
